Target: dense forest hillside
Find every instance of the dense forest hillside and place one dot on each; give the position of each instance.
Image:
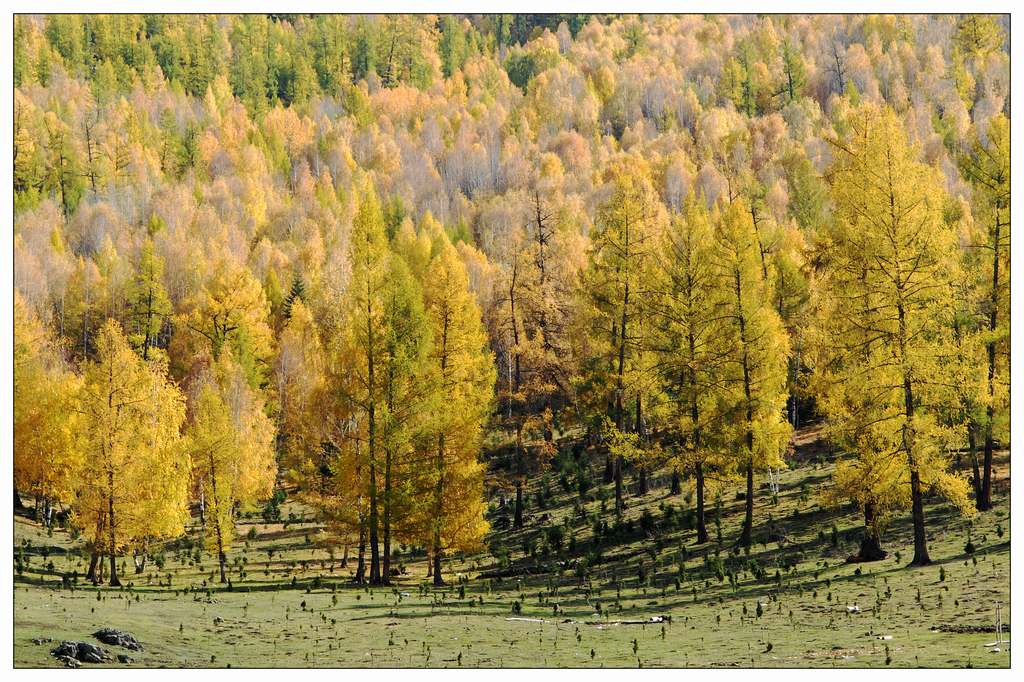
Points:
(400, 270)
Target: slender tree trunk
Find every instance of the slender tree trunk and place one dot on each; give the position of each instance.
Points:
(748, 516)
(641, 481)
(372, 442)
(114, 581)
(619, 388)
(517, 520)
(609, 469)
(985, 503)
(620, 464)
(374, 530)
(702, 527)
(221, 556)
(972, 444)
(19, 505)
(438, 510)
(361, 557)
(921, 557)
(386, 554)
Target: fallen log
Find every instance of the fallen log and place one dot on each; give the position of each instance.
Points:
(646, 621)
(957, 629)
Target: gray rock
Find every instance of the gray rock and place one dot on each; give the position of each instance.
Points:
(117, 638)
(90, 653)
(125, 658)
(83, 652)
(69, 662)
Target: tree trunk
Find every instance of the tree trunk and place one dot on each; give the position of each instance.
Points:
(642, 481)
(361, 559)
(517, 519)
(748, 517)
(374, 539)
(438, 581)
(702, 527)
(114, 581)
(374, 518)
(921, 557)
(386, 554)
(609, 469)
(91, 575)
(985, 502)
(676, 487)
(870, 542)
(972, 444)
(619, 466)
(19, 505)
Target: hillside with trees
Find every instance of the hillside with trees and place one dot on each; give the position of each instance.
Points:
(405, 273)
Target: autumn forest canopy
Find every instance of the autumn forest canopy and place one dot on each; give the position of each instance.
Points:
(393, 267)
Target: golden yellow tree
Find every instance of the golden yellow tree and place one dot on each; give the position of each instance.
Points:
(627, 228)
(755, 356)
(47, 450)
(888, 279)
(134, 485)
(462, 372)
(230, 313)
(986, 164)
(231, 441)
(690, 328)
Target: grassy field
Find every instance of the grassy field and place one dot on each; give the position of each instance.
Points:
(544, 597)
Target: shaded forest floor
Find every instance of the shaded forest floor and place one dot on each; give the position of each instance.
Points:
(553, 593)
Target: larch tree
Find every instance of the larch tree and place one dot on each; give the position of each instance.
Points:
(873, 476)
(888, 273)
(986, 165)
(688, 346)
(406, 392)
(627, 228)
(299, 373)
(47, 448)
(462, 374)
(363, 348)
(756, 354)
(134, 485)
(148, 304)
(231, 442)
(385, 341)
(230, 313)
